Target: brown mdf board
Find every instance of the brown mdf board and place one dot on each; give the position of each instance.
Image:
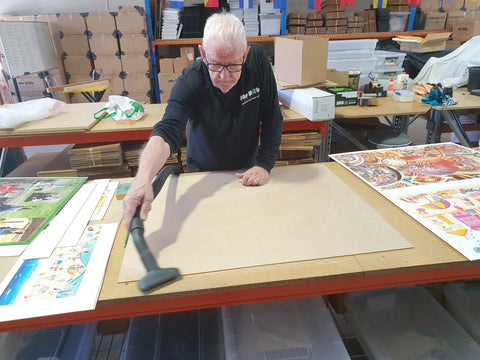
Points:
(153, 114)
(208, 222)
(72, 118)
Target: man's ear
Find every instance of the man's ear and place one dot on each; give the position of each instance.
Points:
(246, 52)
(202, 53)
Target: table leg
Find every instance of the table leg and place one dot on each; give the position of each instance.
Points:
(3, 159)
(454, 122)
(434, 125)
(321, 152)
(347, 135)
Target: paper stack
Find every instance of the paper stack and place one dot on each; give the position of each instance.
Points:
(171, 23)
(86, 156)
(250, 19)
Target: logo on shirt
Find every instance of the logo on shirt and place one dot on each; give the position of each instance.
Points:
(250, 95)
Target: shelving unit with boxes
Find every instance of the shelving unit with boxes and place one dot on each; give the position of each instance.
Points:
(108, 45)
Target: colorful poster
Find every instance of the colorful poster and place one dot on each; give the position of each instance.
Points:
(450, 210)
(26, 207)
(436, 184)
(68, 281)
(412, 165)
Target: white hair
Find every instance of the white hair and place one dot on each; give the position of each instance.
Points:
(225, 29)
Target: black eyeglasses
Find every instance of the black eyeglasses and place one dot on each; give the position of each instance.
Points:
(229, 67)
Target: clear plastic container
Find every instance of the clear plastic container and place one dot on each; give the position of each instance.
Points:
(367, 45)
(280, 330)
(353, 64)
(462, 302)
(389, 59)
(403, 95)
(61, 343)
(192, 335)
(407, 323)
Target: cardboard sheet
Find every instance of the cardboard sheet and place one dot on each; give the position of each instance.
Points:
(210, 222)
(74, 118)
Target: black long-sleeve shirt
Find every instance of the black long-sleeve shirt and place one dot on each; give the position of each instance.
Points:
(223, 129)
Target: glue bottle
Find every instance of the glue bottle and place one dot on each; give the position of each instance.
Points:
(402, 80)
(390, 87)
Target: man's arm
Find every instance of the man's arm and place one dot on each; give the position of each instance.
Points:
(153, 158)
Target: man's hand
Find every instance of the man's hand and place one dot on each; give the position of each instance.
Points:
(254, 176)
(137, 195)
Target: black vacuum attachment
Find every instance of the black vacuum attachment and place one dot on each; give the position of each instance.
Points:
(155, 276)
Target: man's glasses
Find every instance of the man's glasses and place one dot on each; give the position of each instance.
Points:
(229, 67)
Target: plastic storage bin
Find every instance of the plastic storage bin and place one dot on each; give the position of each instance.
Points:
(270, 24)
(60, 343)
(407, 323)
(389, 59)
(351, 49)
(462, 301)
(281, 330)
(352, 45)
(398, 21)
(188, 335)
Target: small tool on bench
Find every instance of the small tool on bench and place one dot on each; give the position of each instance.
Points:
(155, 276)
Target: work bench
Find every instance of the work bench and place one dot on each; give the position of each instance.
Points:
(430, 260)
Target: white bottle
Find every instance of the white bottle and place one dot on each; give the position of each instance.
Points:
(402, 81)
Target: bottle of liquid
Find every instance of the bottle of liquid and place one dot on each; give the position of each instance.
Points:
(390, 88)
(402, 81)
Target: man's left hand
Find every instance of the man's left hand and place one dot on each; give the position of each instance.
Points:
(254, 176)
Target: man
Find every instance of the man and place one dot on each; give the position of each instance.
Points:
(222, 99)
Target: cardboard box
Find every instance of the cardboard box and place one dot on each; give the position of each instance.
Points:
(134, 83)
(74, 44)
(101, 44)
(465, 30)
(166, 65)
(435, 20)
(134, 43)
(432, 42)
(314, 104)
(77, 65)
(109, 64)
(301, 60)
(188, 52)
(135, 63)
(101, 23)
(71, 23)
(179, 64)
(131, 22)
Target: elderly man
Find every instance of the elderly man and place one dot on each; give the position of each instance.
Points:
(226, 100)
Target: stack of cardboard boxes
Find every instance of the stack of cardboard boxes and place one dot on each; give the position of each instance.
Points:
(334, 17)
(355, 23)
(296, 23)
(75, 49)
(135, 53)
(104, 50)
(104, 45)
(170, 70)
(315, 24)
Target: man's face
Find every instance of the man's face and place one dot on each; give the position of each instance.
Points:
(224, 79)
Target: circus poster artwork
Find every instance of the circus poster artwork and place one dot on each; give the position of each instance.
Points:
(28, 204)
(450, 210)
(394, 168)
(69, 280)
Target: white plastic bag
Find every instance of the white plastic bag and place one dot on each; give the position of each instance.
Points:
(121, 108)
(12, 115)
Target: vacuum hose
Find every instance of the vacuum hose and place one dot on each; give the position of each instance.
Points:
(155, 276)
